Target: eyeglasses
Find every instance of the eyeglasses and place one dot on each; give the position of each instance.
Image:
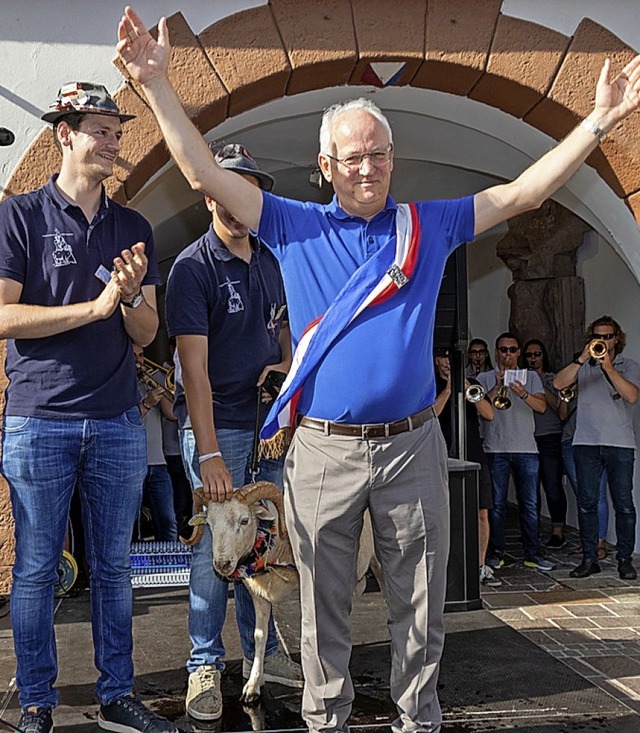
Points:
(508, 349)
(477, 352)
(604, 336)
(354, 162)
(533, 355)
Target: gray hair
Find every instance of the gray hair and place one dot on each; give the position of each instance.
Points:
(336, 110)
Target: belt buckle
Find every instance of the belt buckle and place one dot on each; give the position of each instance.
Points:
(368, 432)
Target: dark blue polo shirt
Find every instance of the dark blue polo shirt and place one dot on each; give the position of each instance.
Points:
(240, 308)
(47, 245)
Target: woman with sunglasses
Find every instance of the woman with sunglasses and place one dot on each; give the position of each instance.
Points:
(548, 436)
(478, 358)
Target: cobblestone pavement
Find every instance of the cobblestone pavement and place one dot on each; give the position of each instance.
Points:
(591, 624)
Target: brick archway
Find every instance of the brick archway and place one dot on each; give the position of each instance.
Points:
(457, 46)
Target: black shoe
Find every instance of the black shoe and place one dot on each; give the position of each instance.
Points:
(626, 570)
(556, 541)
(127, 714)
(36, 722)
(585, 569)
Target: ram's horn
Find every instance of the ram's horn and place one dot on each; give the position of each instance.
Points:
(199, 504)
(250, 493)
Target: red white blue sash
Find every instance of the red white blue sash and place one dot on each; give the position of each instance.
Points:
(375, 281)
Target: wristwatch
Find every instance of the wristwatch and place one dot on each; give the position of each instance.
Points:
(137, 299)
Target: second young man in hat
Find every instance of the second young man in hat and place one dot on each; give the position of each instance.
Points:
(226, 307)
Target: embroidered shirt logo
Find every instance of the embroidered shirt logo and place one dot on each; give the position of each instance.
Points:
(62, 251)
(234, 304)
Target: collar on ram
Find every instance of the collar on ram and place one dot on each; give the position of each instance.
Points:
(255, 561)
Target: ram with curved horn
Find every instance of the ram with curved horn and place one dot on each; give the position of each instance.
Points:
(250, 543)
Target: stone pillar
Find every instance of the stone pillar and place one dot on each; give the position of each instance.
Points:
(547, 298)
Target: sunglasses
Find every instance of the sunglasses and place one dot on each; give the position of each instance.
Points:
(533, 355)
(508, 349)
(604, 336)
(477, 352)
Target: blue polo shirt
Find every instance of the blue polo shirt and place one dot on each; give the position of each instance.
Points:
(47, 245)
(240, 308)
(380, 368)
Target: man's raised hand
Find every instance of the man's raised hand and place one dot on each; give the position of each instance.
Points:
(143, 57)
(617, 98)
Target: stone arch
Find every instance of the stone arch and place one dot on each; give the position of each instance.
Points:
(457, 46)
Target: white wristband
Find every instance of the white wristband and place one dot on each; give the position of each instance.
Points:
(207, 456)
(593, 129)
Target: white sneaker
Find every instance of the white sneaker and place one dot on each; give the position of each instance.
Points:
(488, 578)
(277, 668)
(204, 698)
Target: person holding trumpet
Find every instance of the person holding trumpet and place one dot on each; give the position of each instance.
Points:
(511, 447)
(155, 403)
(608, 386)
(477, 405)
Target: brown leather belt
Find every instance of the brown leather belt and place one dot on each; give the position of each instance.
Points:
(374, 430)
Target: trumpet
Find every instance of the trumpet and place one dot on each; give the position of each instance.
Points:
(501, 401)
(597, 349)
(568, 393)
(474, 393)
(147, 371)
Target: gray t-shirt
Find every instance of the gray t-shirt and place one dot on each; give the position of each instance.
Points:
(548, 422)
(603, 417)
(511, 431)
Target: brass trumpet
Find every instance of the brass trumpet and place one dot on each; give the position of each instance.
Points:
(147, 371)
(474, 393)
(597, 349)
(501, 401)
(568, 393)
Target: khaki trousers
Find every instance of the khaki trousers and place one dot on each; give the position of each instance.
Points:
(403, 480)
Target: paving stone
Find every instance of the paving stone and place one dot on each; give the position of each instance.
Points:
(573, 623)
(546, 611)
(610, 622)
(567, 637)
(531, 623)
(590, 609)
(624, 609)
(507, 600)
(510, 614)
(581, 667)
(613, 634)
(615, 666)
(568, 596)
(541, 639)
(631, 683)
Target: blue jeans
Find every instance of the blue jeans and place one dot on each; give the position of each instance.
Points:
(158, 489)
(525, 475)
(207, 592)
(551, 470)
(591, 461)
(42, 460)
(603, 503)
